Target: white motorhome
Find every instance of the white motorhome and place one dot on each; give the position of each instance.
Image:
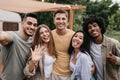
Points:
(9, 21)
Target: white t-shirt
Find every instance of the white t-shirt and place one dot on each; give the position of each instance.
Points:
(48, 65)
(97, 58)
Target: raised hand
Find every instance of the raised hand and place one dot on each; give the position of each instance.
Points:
(111, 57)
(36, 53)
(93, 69)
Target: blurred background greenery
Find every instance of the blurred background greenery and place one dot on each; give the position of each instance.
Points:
(105, 8)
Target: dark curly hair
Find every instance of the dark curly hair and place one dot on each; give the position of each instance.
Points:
(91, 19)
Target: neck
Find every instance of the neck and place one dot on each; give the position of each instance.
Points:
(76, 51)
(45, 45)
(23, 35)
(98, 40)
(61, 32)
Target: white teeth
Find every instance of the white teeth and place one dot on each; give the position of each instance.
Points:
(30, 30)
(94, 32)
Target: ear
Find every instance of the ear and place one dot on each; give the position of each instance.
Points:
(101, 29)
(22, 22)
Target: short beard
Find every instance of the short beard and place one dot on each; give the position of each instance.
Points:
(93, 38)
(27, 34)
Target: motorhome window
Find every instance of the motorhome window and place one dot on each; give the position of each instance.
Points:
(10, 26)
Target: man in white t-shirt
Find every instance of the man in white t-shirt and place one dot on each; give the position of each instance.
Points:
(105, 51)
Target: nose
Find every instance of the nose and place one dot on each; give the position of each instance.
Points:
(32, 26)
(76, 38)
(92, 27)
(61, 20)
(44, 33)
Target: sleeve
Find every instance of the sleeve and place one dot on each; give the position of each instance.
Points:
(85, 71)
(26, 70)
(116, 52)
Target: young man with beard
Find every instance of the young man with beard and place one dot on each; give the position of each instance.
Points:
(15, 48)
(105, 51)
(62, 37)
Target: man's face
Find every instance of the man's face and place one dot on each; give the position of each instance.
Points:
(60, 21)
(29, 26)
(94, 30)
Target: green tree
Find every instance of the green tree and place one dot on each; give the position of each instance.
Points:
(117, 21)
(104, 8)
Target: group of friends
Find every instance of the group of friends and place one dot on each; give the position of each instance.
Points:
(37, 53)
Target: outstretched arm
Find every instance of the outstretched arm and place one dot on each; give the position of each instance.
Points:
(5, 38)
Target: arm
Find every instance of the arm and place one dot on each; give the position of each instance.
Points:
(93, 69)
(82, 70)
(36, 56)
(85, 69)
(27, 72)
(116, 50)
(114, 56)
(5, 38)
(32, 65)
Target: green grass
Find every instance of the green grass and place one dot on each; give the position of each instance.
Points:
(113, 34)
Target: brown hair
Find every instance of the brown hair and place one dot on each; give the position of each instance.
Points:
(60, 11)
(38, 40)
(33, 15)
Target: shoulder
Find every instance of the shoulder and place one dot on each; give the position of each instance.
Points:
(83, 59)
(83, 56)
(70, 31)
(111, 40)
(53, 31)
(12, 33)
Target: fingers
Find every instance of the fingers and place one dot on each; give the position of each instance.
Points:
(93, 69)
(111, 57)
(110, 54)
(37, 50)
(36, 53)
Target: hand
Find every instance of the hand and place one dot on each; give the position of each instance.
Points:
(93, 69)
(111, 58)
(36, 53)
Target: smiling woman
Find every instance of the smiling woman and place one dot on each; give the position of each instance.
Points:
(42, 56)
(81, 63)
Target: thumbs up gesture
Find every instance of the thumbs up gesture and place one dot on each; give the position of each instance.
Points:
(111, 57)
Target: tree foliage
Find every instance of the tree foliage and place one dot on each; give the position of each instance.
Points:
(103, 8)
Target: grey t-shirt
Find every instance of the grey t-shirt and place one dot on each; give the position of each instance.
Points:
(14, 56)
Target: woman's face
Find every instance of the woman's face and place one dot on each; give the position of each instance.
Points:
(45, 35)
(77, 40)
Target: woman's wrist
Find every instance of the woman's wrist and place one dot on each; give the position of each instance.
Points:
(33, 62)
